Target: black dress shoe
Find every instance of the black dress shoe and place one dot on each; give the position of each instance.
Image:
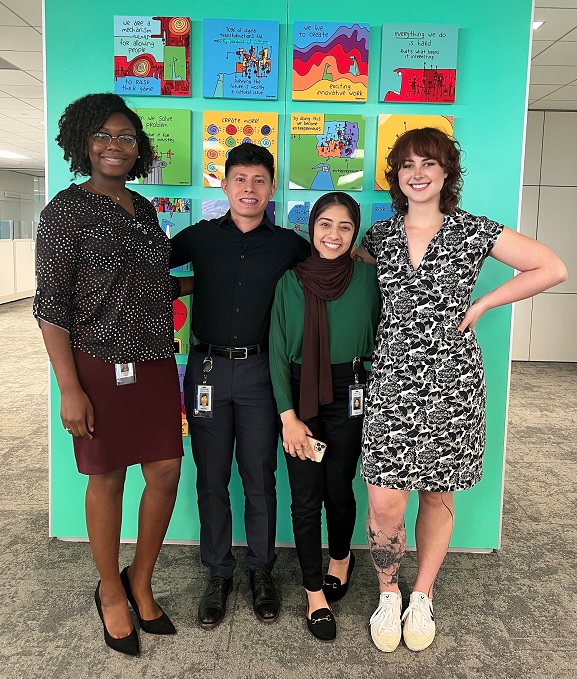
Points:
(212, 607)
(265, 602)
(322, 624)
(161, 625)
(128, 645)
(332, 587)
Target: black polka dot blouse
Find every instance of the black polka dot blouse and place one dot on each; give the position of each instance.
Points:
(102, 275)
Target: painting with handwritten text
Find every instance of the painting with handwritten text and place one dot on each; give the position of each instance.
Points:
(240, 59)
(169, 132)
(330, 61)
(419, 63)
(152, 56)
(173, 216)
(223, 130)
(327, 151)
(298, 217)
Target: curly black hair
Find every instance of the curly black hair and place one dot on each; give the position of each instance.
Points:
(427, 142)
(87, 115)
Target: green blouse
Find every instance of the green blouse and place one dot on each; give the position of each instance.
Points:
(352, 320)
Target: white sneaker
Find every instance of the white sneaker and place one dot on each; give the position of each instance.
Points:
(419, 622)
(386, 622)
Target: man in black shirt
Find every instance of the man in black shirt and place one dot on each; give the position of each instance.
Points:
(237, 261)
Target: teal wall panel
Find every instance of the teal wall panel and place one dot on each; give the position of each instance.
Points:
(489, 111)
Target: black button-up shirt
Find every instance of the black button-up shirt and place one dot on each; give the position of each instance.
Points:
(235, 276)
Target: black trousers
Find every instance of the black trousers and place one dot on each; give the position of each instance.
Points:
(329, 482)
(245, 414)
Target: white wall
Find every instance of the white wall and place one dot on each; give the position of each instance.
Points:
(545, 328)
(17, 251)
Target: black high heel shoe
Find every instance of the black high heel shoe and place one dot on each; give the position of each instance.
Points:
(162, 625)
(129, 645)
(332, 587)
(322, 624)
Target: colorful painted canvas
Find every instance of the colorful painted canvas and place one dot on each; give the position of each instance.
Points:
(381, 212)
(330, 61)
(298, 217)
(223, 130)
(213, 209)
(419, 63)
(169, 132)
(152, 56)
(240, 59)
(327, 151)
(181, 311)
(173, 216)
(391, 126)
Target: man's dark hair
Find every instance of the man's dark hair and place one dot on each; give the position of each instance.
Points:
(250, 154)
(87, 115)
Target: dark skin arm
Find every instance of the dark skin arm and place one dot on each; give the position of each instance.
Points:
(76, 410)
(186, 285)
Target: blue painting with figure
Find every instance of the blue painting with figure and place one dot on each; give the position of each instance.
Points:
(240, 59)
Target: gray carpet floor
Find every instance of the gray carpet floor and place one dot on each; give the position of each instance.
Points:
(506, 614)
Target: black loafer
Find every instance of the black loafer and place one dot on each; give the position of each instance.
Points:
(212, 607)
(332, 587)
(322, 624)
(266, 604)
(162, 625)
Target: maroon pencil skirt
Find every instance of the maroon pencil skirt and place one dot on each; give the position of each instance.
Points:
(133, 423)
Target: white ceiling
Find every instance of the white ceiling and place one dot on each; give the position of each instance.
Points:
(553, 83)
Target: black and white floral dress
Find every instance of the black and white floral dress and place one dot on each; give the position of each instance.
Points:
(424, 426)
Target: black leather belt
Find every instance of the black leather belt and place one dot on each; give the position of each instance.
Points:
(230, 352)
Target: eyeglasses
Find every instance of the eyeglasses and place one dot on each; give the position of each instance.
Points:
(125, 141)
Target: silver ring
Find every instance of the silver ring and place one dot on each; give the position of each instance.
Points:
(67, 429)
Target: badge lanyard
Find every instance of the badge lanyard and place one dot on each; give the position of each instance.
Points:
(356, 392)
(125, 373)
(204, 393)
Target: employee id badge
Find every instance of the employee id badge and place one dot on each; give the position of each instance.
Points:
(203, 393)
(203, 400)
(356, 400)
(125, 373)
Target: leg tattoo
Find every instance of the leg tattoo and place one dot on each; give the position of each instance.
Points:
(387, 551)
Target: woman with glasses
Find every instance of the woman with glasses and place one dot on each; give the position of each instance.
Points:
(104, 306)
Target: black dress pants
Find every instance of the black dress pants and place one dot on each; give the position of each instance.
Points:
(245, 414)
(329, 482)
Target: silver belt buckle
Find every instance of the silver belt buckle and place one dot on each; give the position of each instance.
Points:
(241, 358)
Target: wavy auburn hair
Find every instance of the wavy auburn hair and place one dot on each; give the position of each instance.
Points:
(427, 142)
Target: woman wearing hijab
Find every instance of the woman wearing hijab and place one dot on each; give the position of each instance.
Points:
(323, 322)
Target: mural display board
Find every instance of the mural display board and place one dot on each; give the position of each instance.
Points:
(321, 90)
(330, 61)
(152, 56)
(240, 59)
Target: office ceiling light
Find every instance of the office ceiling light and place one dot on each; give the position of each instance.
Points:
(12, 156)
(537, 24)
